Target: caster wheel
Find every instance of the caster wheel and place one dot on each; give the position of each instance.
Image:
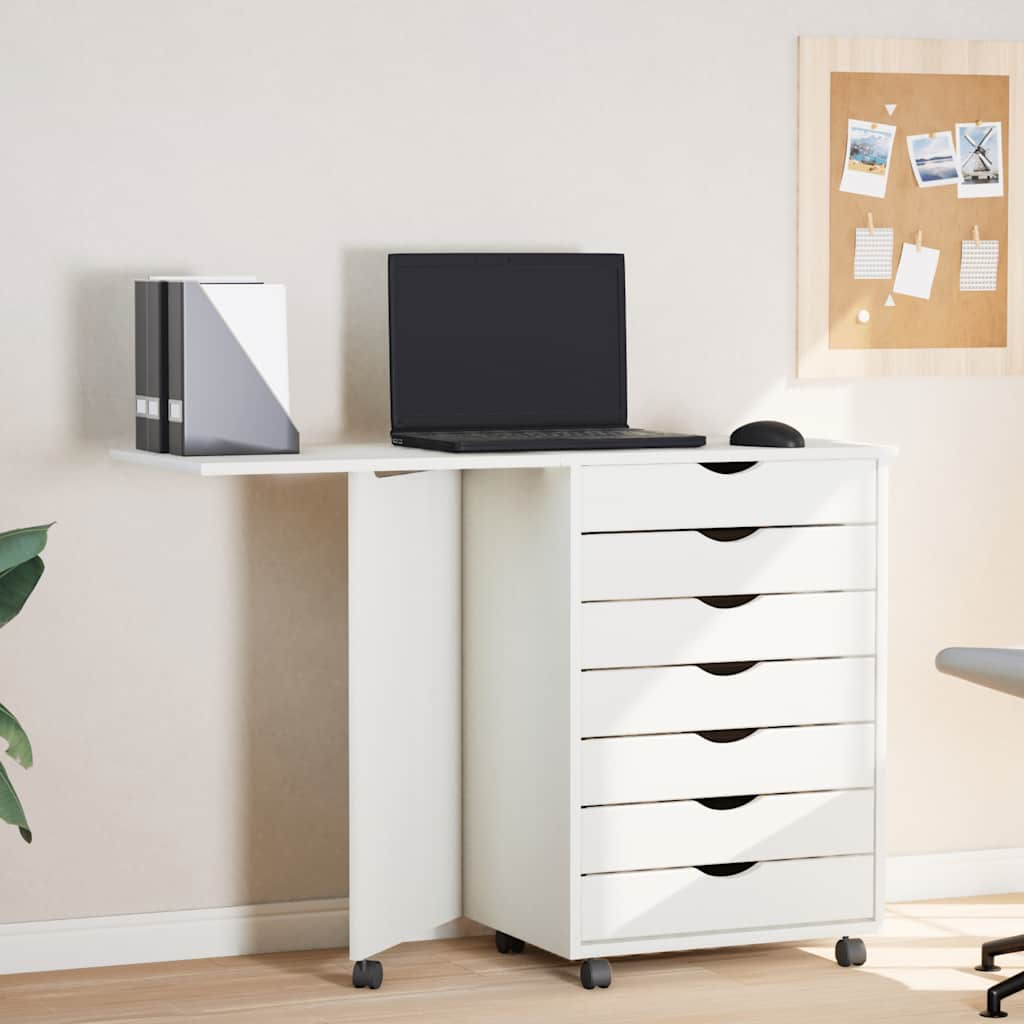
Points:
(367, 974)
(595, 974)
(508, 943)
(851, 952)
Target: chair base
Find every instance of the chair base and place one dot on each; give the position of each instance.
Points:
(990, 950)
(1008, 986)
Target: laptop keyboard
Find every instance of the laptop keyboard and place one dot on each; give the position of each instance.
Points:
(569, 434)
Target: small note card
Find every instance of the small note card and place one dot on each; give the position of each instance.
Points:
(916, 271)
(872, 255)
(979, 264)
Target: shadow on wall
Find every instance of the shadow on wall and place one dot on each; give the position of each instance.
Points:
(293, 701)
(103, 384)
(365, 388)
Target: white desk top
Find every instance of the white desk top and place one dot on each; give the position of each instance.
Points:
(383, 457)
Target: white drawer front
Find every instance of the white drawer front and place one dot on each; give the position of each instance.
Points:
(688, 631)
(686, 901)
(624, 702)
(633, 769)
(677, 497)
(686, 833)
(685, 563)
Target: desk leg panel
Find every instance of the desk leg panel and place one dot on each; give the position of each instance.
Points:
(405, 716)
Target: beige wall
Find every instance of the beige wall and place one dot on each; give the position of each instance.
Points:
(181, 668)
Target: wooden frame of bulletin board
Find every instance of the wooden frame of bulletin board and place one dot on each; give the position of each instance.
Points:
(933, 84)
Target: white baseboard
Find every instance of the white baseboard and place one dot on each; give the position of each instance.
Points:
(183, 935)
(929, 876)
(323, 924)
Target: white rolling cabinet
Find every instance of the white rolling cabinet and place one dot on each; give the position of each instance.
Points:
(610, 702)
(673, 704)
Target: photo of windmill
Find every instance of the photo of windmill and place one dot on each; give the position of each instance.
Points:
(979, 148)
(978, 167)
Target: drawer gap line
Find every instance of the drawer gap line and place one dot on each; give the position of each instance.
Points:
(695, 799)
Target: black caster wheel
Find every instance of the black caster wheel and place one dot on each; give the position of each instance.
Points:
(851, 952)
(595, 974)
(508, 943)
(367, 974)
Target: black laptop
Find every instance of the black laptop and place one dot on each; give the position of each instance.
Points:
(496, 352)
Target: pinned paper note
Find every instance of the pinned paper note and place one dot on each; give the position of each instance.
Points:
(979, 265)
(872, 254)
(889, 108)
(916, 272)
(890, 301)
(868, 156)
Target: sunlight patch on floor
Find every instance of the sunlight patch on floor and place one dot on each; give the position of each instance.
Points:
(982, 927)
(961, 957)
(932, 979)
(1005, 911)
(935, 946)
(907, 928)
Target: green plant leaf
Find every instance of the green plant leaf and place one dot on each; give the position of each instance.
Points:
(18, 747)
(18, 546)
(11, 810)
(15, 586)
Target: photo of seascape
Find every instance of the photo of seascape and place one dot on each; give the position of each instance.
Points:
(934, 158)
(869, 150)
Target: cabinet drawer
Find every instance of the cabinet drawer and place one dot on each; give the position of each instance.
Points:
(676, 497)
(686, 833)
(633, 769)
(686, 563)
(687, 901)
(688, 631)
(624, 702)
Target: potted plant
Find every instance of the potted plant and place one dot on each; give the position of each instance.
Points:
(20, 570)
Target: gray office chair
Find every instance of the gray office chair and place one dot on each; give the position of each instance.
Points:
(998, 668)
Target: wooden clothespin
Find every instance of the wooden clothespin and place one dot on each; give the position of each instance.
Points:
(931, 135)
(873, 126)
(917, 239)
(871, 223)
(978, 123)
(976, 235)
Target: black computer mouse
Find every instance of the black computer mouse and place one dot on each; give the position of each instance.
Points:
(767, 434)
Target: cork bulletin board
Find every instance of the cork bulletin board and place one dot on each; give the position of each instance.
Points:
(850, 326)
(950, 318)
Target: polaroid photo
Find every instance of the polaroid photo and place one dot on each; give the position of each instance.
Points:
(934, 159)
(868, 156)
(979, 155)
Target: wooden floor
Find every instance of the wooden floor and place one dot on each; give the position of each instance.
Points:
(919, 970)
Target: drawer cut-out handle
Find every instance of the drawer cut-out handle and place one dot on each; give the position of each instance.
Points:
(726, 803)
(729, 533)
(728, 600)
(725, 870)
(727, 467)
(727, 668)
(725, 735)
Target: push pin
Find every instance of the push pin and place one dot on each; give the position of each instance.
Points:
(863, 316)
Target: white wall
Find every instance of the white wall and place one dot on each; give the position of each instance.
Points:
(181, 667)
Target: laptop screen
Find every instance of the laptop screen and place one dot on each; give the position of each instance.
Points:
(497, 340)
